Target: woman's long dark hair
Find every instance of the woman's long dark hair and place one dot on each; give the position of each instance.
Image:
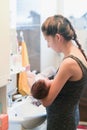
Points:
(61, 25)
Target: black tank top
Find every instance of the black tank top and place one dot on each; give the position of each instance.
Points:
(62, 113)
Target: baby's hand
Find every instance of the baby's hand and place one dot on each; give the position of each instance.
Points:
(36, 102)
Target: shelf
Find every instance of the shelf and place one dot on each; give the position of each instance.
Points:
(16, 70)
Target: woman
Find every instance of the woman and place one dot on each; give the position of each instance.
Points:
(65, 89)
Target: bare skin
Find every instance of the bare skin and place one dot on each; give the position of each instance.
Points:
(68, 70)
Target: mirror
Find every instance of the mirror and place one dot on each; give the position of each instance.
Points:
(25, 27)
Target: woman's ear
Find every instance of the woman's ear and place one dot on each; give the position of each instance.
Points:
(58, 36)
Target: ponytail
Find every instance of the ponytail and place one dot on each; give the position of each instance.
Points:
(77, 42)
(80, 47)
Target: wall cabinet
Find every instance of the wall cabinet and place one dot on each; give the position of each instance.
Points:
(4, 43)
(4, 51)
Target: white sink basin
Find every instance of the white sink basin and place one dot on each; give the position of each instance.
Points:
(29, 115)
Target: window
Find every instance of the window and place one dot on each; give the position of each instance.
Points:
(77, 12)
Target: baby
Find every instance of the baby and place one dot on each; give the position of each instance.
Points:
(40, 88)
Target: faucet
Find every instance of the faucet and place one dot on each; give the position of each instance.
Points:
(10, 95)
(21, 98)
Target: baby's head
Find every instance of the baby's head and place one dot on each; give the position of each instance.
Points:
(40, 89)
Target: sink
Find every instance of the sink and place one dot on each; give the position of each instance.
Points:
(27, 114)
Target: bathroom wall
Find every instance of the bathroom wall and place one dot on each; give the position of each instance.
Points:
(4, 53)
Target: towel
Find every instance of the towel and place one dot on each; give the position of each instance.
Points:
(23, 86)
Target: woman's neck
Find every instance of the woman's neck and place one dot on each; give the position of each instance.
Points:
(67, 48)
